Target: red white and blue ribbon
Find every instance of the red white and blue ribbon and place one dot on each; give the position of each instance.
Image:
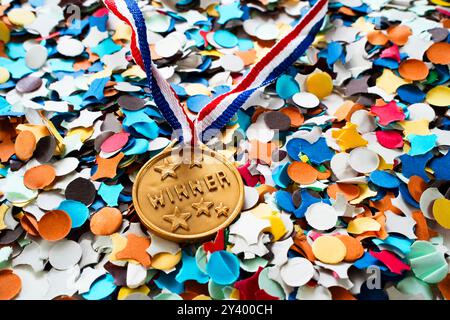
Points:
(219, 111)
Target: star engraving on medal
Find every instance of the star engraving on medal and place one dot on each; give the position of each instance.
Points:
(196, 161)
(202, 207)
(178, 219)
(167, 169)
(222, 210)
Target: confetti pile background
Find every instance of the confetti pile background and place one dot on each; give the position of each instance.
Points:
(344, 158)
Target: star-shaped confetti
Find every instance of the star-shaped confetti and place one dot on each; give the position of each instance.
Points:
(135, 249)
(388, 113)
(178, 219)
(107, 168)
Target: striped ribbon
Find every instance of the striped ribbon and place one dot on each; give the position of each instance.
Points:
(220, 110)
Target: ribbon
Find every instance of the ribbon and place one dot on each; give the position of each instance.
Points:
(220, 110)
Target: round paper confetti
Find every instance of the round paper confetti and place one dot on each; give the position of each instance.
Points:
(54, 225)
(223, 267)
(321, 216)
(10, 284)
(39, 177)
(320, 84)
(413, 69)
(77, 211)
(297, 272)
(65, 254)
(329, 249)
(363, 160)
(441, 212)
(106, 221)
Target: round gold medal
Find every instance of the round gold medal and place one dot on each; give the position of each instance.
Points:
(186, 198)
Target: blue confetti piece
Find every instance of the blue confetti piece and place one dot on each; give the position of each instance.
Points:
(318, 152)
(15, 50)
(407, 196)
(384, 179)
(402, 244)
(99, 22)
(96, 89)
(410, 93)
(334, 52)
(223, 267)
(280, 176)
(148, 129)
(76, 27)
(18, 69)
(61, 65)
(286, 86)
(415, 165)
(367, 260)
(284, 201)
(110, 193)
(441, 167)
(386, 63)
(245, 44)
(196, 102)
(189, 270)
(307, 200)
(225, 38)
(106, 47)
(77, 211)
(195, 35)
(102, 288)
(229, 12)
(421, 144)
(168, 282)
(140, 146)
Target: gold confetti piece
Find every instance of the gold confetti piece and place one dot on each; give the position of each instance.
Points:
(439, 96)
(419, 127)
(389, 82)
(361, 225)
(348, 137)
(320, 84)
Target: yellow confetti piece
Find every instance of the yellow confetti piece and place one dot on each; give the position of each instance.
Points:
(4, 74)
(389, 82)
(441, 3)
(123, 32)
(385, 166)
(329, 249)
(211, 10)
(5, 34)
(165, 260)
(364, 193)
(234, 294)
(361, 225)
(439, 96)
(348, 137)
(419, 127)
(125, 291)
(3, 209)
(304, 158)
(21, 17)
(39, 131)
(362, 25)
(319, 84)
(134, 72)
(197, 88)
(202, 297)
(212, 53)
(264, 211)
(441, 212)
(59, 139)
(84, 133)
(105, 73)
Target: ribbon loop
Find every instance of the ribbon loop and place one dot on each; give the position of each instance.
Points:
(219, 111)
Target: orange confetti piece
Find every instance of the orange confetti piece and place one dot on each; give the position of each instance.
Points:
(107, 168)
(263, 189)
(444, 287)
(416, 186)
(25, 145)
(421, 228)
(377, 38)
(439, 53)
(10, 285)
(295, 115)
(302, 173)
(349, 191)
(106, 221)
(302, 246)
(354, 248)
(29, 224)
(248, 56)
(135, 249)
(39, 177)
(7, 149)
(413, 69)
(54, 225)
(339, 293)
(399, 34)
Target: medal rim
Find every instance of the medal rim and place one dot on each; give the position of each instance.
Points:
(198, 236)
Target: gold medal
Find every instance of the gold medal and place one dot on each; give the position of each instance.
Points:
(183, 197)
